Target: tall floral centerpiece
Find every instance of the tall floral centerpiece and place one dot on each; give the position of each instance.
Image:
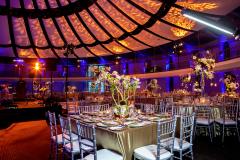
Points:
(122, 88)
(230, 84)
(203, 68)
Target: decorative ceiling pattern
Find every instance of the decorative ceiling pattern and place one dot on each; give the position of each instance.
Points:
(41, 28)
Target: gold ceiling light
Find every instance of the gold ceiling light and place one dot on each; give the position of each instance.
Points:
(117, 49)
(175, 16)
(125, 43)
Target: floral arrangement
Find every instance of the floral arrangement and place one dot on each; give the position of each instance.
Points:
(152, 87)
(230, 83)
(180, 92)
(203, 67)
(72, 89)
(122, 88)
(185, 80)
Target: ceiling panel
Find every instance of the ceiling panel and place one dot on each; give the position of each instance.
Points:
(93, 26)
(133, 44)
(20, 32)
(81, 30)
(105, 22)
(46, 53)
(99, 50)
(116, 48)
(4, 31)
(53, 33)
(82, 52)
(26, 53)
(150, 39)
(37, 33)
(131, 11)
(66, 31)
(118, 17)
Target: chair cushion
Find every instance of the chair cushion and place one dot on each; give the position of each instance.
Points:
(150, 153)
(185, 144)
(104, 154)
(203, 121)
(75, 145)
(227, 121)
(58, 139)
(74, 137)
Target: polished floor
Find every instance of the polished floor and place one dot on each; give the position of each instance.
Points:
(30, 141)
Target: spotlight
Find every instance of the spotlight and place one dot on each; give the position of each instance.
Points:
(237, 34)
(206, 21)
(37, 66)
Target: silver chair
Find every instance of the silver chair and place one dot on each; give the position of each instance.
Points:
(70, 143)
(204, 119)
(86, 134)
(184, 144)
(56, 139)
(104, 107)
(165, 142)
(181, 110)
(162, 108)
(92, 108)
(149, 108)
(72, 107)
(229, 118)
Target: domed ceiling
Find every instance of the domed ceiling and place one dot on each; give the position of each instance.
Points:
(41, 28)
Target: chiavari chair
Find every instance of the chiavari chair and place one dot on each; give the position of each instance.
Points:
(104, 107)
(165, 142)
(56, 138)
(184, 144)
(70, 142)
(228, 120)
(86, 134)
(204, 119)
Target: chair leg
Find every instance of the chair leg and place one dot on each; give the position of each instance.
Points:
(180, 156)
(51, 150)
(72, 156)
(134, 157)
(223, 132)
(210, 132)
(191, 152)
(238, 133)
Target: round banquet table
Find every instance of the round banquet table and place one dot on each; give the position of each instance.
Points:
(127, 140)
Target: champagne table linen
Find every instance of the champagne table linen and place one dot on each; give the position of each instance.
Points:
(126, 140)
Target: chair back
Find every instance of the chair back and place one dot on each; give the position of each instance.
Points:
(149, 108)
(87, 132)
(162, 108)
(53, 125)
(66, 127)
(230, 112)
(204, 112)
(186, 130)
(92, 108)
(169, 99)
(165, 135)
(181, 110)
(104, 107)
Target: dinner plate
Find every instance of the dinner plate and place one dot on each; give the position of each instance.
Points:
(139, 124)
(88, 120)
(117, 128)
(110, 123)
(101, 125)
(75, 116)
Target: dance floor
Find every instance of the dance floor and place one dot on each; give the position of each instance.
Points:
(30, 141)
(25, 141)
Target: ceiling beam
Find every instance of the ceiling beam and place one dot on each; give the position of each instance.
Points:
(74, 7)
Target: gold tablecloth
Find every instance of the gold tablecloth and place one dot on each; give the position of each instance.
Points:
(125, 141)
